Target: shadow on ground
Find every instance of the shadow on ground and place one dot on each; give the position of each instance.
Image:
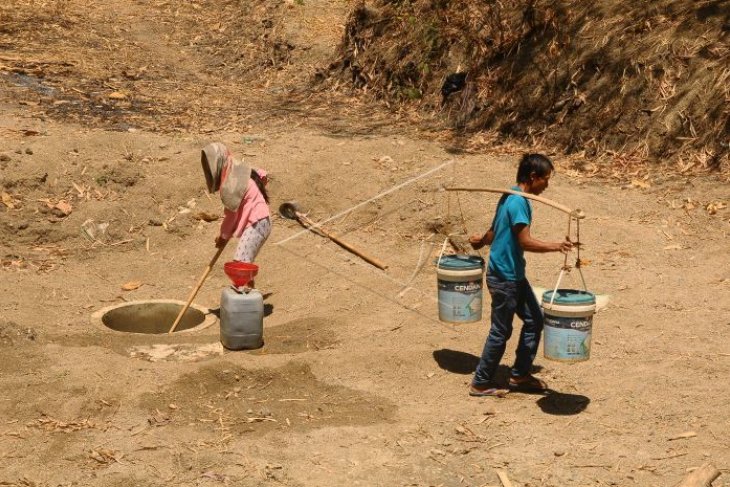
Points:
(561, 404)
(466, 363)
(455, 361)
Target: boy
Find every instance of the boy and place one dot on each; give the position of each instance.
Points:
(509, 236)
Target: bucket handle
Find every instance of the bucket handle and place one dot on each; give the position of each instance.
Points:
(560, 278)
(557, 284)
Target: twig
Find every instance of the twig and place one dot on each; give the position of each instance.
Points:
(504, 479)
(121, 242)
(682, 436)
(702, 477)
(675, 455)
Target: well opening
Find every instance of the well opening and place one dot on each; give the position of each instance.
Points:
(152, 317)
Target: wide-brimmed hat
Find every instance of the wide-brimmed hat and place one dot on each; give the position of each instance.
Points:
(225, 173)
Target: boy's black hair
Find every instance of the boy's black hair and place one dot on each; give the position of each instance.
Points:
(537, 163)
(257, 179)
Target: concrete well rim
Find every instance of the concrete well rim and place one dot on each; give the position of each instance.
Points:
(208, 320)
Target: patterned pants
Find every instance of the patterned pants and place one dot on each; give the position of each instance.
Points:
(252, 238)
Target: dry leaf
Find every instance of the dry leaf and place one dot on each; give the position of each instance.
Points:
(159, 418)
(689, 204)
(640, 184)
(117, 95)
(206, 217)
(713, 207)
(131, 285)
(7, 200)
(62, 208)
(105, 456)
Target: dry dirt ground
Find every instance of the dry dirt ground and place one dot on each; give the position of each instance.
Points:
(358, 382)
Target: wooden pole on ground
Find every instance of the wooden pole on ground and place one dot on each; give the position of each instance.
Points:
(702, 477)
(309, 223)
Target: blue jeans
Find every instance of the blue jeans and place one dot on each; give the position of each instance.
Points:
(510, 298)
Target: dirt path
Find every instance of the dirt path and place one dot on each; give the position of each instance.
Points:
(358, 383)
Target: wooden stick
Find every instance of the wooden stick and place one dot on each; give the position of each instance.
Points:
(577, 213)
(702, 477)
(309, 223)
(504, 479)
(197, 288)
(14, 59)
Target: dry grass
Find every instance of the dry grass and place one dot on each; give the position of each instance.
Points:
(612, 85)
(200, 66)
(613, 81)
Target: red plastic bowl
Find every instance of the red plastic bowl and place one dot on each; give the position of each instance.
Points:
(240, 273)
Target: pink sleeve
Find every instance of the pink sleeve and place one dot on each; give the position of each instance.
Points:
(229, 224)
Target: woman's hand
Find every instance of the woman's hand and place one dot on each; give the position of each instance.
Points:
(220, 242)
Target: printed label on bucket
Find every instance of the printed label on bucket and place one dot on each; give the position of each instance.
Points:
(568, 339)
(460, 301)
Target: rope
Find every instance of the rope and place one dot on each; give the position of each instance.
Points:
(578, 264)
(566, 268)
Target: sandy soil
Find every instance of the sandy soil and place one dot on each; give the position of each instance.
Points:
(358, 382)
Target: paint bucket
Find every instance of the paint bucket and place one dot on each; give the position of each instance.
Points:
(460, 279)
(568, 324)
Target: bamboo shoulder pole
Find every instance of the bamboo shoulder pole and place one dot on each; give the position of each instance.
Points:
(577, 213)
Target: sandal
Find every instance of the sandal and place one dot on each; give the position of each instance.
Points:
(527, 383)
(486, 391)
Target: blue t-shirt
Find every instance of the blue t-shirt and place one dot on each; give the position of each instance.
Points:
(506, 257)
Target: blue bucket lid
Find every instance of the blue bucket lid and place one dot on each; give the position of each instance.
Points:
(569, 296)
(460, 262)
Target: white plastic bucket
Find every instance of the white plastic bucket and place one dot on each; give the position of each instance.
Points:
(460, 280)
(568, 324)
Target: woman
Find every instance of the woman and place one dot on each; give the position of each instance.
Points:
(245, 200)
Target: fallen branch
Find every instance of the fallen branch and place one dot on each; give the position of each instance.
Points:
(702, 477)
(14, 59)
(683, 436)
(504, 479)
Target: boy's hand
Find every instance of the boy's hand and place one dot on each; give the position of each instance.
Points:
(565, 246)
(220, 242)
(476, 242)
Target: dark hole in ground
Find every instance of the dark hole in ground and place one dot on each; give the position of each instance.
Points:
(152, 318)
